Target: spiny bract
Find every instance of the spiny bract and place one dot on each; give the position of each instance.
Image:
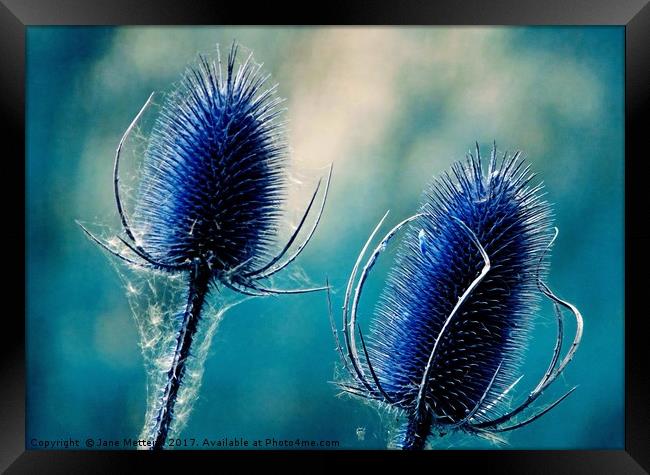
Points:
(459, 302)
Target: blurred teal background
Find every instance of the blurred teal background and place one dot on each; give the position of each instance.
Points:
(391, 107)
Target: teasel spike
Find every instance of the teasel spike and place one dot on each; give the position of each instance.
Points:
(209, 201)
(457, 309)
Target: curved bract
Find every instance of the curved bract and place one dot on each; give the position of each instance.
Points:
(457, 308)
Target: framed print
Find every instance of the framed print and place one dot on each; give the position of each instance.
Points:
(404, 234)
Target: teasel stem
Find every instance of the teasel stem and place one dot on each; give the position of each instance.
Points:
(418, 428)
(199, 281)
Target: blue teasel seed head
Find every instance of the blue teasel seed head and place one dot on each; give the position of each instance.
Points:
(458, 306)
(213, 173)
(209, 202)
(437, 260)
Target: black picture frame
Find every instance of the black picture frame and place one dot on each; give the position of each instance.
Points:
(634, 15)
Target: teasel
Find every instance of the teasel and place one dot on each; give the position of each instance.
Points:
(210, 199)
(457, 309)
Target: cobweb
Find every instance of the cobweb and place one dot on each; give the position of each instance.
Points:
(157, 301)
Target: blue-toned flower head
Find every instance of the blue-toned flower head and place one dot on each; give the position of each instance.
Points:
(214, 169)
(208, 204)
(211, 192)
(458, 305)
